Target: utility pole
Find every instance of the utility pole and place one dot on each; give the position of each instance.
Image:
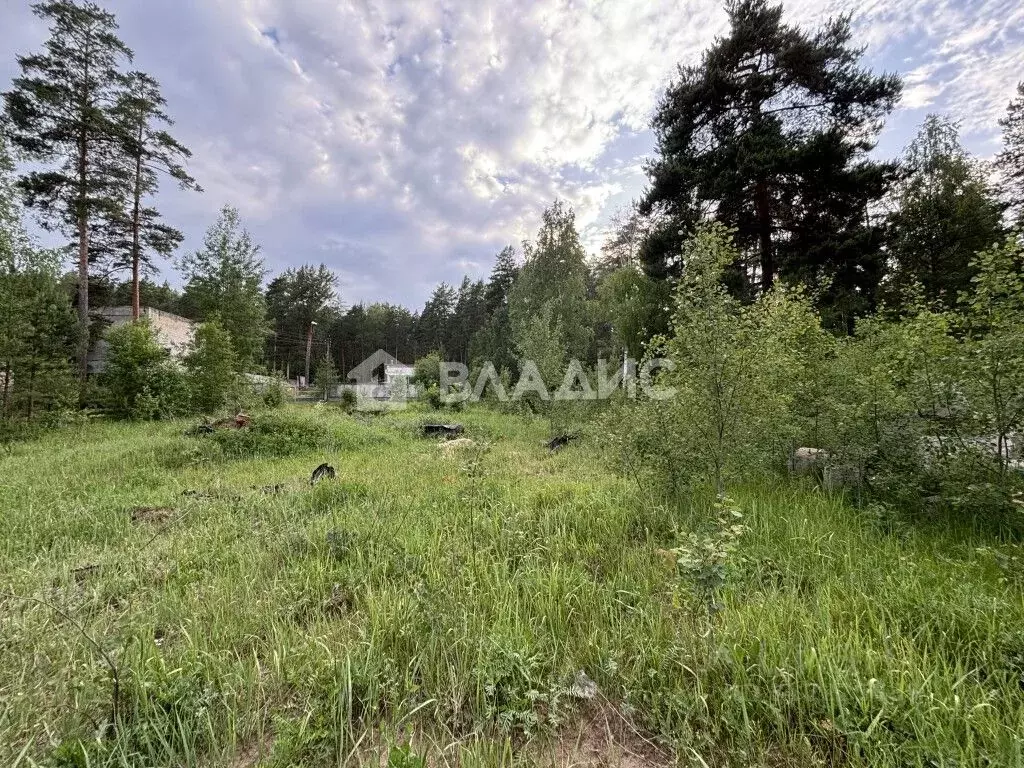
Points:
(309, 349)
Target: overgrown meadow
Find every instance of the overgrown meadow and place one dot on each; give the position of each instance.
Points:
(450, 604)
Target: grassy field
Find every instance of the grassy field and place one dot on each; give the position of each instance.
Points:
(436, 607)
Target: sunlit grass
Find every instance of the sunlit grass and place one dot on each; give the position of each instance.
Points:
(452, 600)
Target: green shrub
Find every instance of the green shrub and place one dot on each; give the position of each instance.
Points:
(427, 371)
(211, 366)
(139, 380)
(432, 396)
(348, 400)
(275, 394)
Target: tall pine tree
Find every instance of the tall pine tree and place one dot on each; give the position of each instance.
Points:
(432, 329)
(146, 151)
(60, 114)
(295, 299)
(493, 341)
(769, 134)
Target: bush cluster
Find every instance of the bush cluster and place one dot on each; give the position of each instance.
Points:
(923, 408)
(140, 380)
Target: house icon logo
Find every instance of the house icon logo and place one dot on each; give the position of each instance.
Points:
(382, 378)
(373, 369)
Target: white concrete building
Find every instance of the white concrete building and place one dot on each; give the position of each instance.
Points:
(173, 332)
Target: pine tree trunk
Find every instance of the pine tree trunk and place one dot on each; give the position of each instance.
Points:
(83, 266)
(764, 226)
(83, 242)
(83, 297)
(136, 308)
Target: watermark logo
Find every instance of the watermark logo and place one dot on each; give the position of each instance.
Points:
(382, 380)
(574, 383)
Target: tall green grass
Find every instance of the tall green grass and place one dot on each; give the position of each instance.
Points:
(446, 603)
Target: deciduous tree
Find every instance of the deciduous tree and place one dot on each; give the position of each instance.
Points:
(946, 213)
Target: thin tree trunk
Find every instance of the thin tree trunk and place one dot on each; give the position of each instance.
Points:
(83, 291)
(764, 226)
(83, 241)
(7, 388)
(136, 255)
(32, 391)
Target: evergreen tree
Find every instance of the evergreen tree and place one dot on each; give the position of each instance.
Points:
(224, 280)
(295, 299)
(161, 296)
(38, 333)
(946, 213)
(503, 275)
(146, 150)
(1011, 160)
(60, 114)
(468, 316)
(769, 135)
(492, 342)
(432, 332)
(325, 377)
(363, 330)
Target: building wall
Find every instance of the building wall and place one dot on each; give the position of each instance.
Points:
(174, 333)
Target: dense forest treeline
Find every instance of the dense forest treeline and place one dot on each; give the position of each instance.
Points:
(770, 134)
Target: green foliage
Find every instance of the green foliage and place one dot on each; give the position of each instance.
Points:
(366, 328)
(433, 397)
(325, 377)
(553, 276)
(224, 280)
(37, 339)
(633, 305)
(493, 340)
(432, 328)
(704, 558)
(295, 299)
(736, 368)
(403, 756)
(133, 229)
(1011, 160)
(427, 371)
(946, 213)
(771, 132)
(37, 325)
(275, 394)
(924, 411)
(211, 366)
(280, 434)
(59, 114)
(348, 400)
(139, 380)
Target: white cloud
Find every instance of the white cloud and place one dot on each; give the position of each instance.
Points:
(424, 135)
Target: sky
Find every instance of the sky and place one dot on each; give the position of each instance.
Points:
(405, 143)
